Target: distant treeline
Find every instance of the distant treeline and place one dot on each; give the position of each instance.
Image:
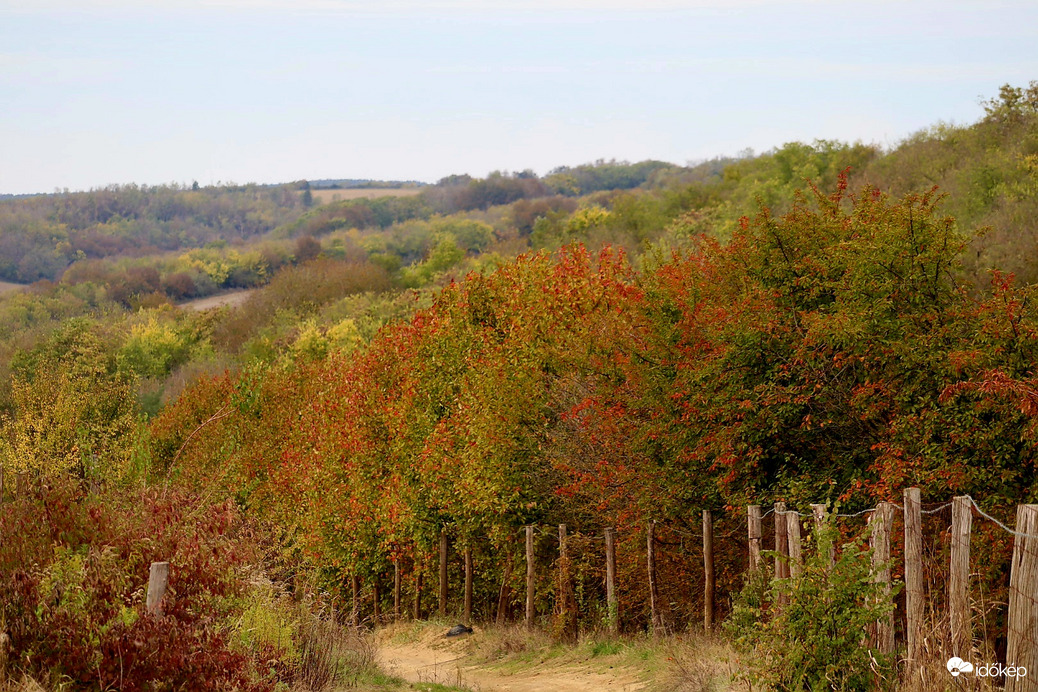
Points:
(42, 235)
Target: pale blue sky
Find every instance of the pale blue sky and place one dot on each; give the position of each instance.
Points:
(94, 92)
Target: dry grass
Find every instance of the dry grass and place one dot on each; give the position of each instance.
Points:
(7, 287)
(330, 654)
(326, 196)
(700, 663)
(26, 684)
(686, 663)
(509, 641)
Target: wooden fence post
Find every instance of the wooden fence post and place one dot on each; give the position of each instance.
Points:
(419, 579)
(396, 589)
(708, 570)
(914, 605)
(959, 577)
(818, 511)
(443, 573)
(529, 577)
(1022, 647)
(612, 606)
(753, 531)
(506, 589)
(158, 581)
(781, 542)
(882, 522)
(355, 610)
(650, 564)
(796, 559)
(468, 586)
(818, 514)
(781, 549)
(376, 600)
(567, 608)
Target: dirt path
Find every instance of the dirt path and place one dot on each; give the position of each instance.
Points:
(430, 657)
(218, 301)
(7, 286)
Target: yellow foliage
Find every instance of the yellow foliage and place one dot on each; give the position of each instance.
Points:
(311, 341)
(153, 347)
(587, 218)
(344, 336)
(71, 416)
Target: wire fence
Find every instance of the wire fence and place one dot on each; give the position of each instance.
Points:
(970, 579)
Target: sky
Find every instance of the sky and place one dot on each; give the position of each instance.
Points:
(99, 92)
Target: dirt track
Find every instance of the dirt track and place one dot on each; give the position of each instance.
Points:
(7, 286)
(218, 301)
(430, 657)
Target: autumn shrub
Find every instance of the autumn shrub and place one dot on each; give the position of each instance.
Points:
(74, 409)
(811, 631)
(73, 574)
(298, 290)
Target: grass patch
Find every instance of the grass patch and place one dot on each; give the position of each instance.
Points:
(437, 687)
(605, 647)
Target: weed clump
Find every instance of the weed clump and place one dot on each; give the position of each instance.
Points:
(812, 631)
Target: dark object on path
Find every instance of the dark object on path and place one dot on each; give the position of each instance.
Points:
(458, 630)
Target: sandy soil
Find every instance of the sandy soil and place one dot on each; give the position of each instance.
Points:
(218, 301)
(433, 658)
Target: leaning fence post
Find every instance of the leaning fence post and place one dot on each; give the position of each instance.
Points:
(959, 577)
(529, 577)
(796, 560)
(1022, 647)
(708, 570)
(914, 606)
(612, 606)
(753, 533)
(158, 581)
(650, 564)
(506, 587)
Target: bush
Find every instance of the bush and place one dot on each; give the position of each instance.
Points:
(73, 571)
(816, 639)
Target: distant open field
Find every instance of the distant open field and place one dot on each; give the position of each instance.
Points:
(6, 287)
(325, 196)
